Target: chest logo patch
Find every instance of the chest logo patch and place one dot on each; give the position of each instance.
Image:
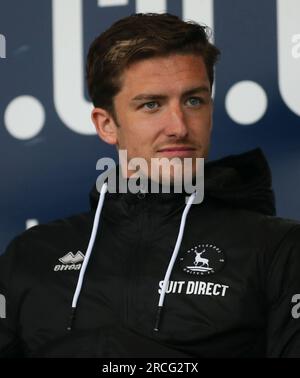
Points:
(70, 262)
(203, 259)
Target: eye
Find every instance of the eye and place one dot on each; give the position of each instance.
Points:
(150, 105)
(195, 101)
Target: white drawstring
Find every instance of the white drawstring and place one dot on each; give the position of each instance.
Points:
(173, 259)
(91, 244)
(88, 251)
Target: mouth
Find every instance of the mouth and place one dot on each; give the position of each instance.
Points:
(178, 151)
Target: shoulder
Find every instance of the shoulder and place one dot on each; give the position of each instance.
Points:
(249, 229)
(275, 240)
(261, 225)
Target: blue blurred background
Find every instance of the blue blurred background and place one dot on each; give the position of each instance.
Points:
(48, 145)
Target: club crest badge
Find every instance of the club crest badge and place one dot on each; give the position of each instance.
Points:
(203, 259)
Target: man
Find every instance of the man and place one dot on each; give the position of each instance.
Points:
(160, 277)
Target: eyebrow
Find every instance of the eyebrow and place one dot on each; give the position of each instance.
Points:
(149, 96)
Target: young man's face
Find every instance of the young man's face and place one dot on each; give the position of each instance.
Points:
(164, 109)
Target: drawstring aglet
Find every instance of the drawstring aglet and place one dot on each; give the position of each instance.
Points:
(72, 318)
(157, 318)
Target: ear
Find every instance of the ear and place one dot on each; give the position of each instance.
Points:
(105, 125)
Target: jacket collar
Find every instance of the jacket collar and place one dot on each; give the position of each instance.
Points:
(242, 181)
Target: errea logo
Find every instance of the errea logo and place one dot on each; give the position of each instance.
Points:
(70, 262)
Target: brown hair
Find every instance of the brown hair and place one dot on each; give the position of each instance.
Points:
(140, 36)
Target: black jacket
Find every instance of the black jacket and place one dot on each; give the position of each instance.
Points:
(230, 290)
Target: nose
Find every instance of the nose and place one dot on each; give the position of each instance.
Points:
(176, 124)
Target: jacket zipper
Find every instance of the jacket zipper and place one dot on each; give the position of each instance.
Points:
(131, 267)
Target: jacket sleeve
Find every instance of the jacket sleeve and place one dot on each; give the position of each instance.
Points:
(283, 292)
(10, 344)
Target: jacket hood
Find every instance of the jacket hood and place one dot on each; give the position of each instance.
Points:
(243, 181)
